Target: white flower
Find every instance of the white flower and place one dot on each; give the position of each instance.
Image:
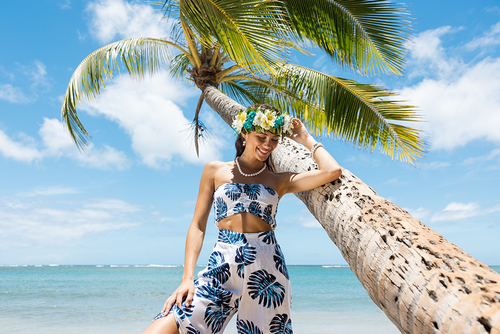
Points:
(287, 124)
(269, 119)
(238, 121)
(259, 119)
(237, 125)
(241, 117)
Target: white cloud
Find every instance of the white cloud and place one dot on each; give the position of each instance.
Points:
(489, 39)
(103, 158)
(120, 19)
(50, 191)
(419, 214)
(112, 204)
(56, 143)
(493, 9)
(434, 165)
(428, 53)
(38, 75)
(454, 98)
(311, 223)
(55, 139)
(24, 150)
(36, 223)
(307, 220)
(66, 4)
(395, 181)
(148, 111)
(460, 211)
(476, 160)
(12, 94)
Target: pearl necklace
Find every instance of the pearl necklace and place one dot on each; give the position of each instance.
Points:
(249, 175)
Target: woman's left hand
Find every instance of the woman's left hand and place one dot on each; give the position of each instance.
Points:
(299, 132)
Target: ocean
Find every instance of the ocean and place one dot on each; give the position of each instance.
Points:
(124, 299)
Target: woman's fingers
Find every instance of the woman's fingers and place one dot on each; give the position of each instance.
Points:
(189, 297)
(179, 298)
(168, 305)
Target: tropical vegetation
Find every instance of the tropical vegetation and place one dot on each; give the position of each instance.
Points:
(243, 48)
(238, 53)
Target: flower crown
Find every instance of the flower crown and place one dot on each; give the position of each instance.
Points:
(256, 119)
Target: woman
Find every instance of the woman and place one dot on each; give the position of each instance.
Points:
(246, 273)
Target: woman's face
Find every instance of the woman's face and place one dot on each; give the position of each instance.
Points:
(261, 144)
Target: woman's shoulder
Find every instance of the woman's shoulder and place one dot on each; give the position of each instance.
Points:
(215, 171)
(214, 167)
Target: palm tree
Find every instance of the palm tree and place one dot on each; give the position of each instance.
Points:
(236, 51)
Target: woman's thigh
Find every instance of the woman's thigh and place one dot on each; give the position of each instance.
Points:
(164, 325)
(266, 299)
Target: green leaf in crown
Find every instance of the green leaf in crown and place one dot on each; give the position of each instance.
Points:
(263, 119)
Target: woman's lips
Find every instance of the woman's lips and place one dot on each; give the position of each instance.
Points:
(262, 151)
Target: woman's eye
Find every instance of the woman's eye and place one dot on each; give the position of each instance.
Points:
(275, 140)
(262, 138)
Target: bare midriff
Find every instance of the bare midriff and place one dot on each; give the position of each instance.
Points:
(244, 222)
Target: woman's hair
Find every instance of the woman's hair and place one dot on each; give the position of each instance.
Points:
(239, 140)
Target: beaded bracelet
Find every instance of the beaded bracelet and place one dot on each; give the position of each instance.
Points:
(315, 147)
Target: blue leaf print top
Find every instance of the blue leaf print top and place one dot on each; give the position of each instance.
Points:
(257, 199)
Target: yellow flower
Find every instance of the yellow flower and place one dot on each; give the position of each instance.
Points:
(241, 117)
(268, 119)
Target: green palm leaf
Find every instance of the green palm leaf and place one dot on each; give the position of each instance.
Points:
(365, 115)
(138, 55)
(251, 32)
(237, 92)
(244, 88)
(179, 65)
(366, 35)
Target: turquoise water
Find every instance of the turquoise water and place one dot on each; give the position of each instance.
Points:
(124, 299)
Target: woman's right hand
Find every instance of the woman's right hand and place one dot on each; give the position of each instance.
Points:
(185, 290)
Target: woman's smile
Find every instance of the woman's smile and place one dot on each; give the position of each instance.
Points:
(262, 151)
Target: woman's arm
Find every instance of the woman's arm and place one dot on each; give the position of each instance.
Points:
(195, 236)
(329, 170)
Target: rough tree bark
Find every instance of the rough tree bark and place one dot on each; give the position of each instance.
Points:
(422, 282)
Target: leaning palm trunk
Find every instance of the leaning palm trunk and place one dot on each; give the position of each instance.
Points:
(422, 282)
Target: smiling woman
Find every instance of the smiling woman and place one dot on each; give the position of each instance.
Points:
(455, 189)
(246, 272)
(260, 129)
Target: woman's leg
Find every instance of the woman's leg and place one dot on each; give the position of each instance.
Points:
(266, 300)
(164, 325)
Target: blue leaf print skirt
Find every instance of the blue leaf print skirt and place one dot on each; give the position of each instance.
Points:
(247, 275)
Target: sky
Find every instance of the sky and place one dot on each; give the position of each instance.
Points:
(129, 198)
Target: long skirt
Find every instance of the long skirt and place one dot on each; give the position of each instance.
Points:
(247, 275)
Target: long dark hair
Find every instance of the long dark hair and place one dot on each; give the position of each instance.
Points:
(238, 144)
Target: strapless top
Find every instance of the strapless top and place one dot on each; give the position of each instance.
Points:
(257, 199)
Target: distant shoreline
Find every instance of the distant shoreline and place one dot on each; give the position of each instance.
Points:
(169, 265)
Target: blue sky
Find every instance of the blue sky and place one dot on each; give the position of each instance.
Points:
(130, 197)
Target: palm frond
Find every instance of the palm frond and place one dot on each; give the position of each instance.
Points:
(199, 128)
(176, 34)
(366, 35)
(179, 65)
(244, 91)
(251, 32)
(169, 7)
(363, 114)
(139, 56)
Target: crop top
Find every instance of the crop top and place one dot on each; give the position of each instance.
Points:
(257, 199)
